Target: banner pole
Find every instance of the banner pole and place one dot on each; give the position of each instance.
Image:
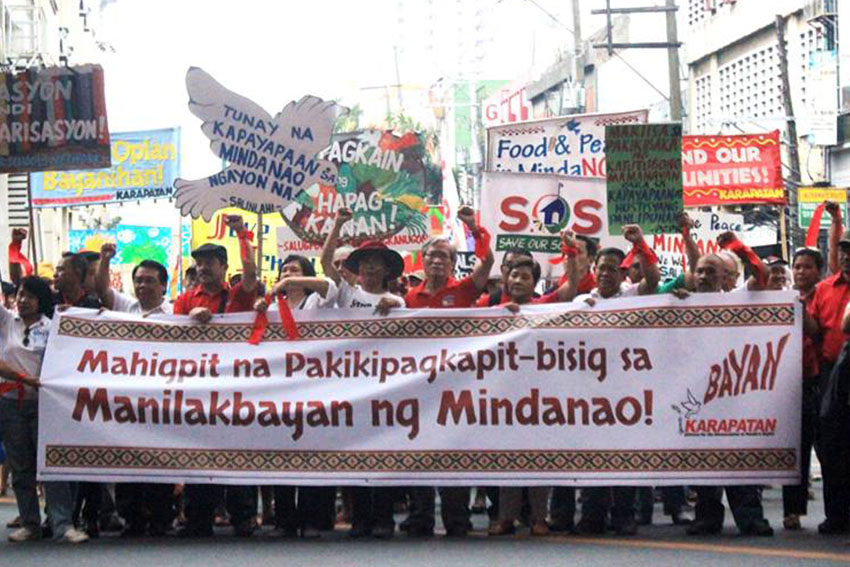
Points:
(783, 233)
(260, 246)
(32, 233)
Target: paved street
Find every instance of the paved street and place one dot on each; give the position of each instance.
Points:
(659, 545)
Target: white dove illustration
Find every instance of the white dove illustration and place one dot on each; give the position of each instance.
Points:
(270, 160)
(691, 406)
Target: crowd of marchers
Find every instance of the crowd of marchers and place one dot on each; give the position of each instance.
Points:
(371, 276)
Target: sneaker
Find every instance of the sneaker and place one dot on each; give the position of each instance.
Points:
(24, 534)
(73, 535)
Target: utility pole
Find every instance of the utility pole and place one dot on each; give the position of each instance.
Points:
(795, 178)
(671, 45)
(579, 48)
(673, 64)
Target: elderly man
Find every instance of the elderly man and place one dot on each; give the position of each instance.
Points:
(440, 289)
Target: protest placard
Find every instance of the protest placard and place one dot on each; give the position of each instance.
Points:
(727, 170)
(271, 160)
(145, 165)
(530, 210)
(565, 145)
(557, 394)
(644, 176)
(53, 118)
(381, 178)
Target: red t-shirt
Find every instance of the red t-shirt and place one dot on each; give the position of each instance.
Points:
(586, 285)
(237, 300)
(456, 293)
(827, 307)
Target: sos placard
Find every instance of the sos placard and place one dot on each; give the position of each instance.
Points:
(529, 211)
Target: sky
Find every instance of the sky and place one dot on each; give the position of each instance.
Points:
(274, 51)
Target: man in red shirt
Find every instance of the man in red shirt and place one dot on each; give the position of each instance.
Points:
(438, 290)
(213, 295)
(823, 323)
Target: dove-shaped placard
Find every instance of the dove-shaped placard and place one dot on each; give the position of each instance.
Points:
(270, 160)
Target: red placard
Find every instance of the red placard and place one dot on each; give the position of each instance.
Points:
(726, 170)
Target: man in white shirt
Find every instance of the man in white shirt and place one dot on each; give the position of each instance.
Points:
(150, 282)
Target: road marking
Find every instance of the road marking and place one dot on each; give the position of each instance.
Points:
(706, 547)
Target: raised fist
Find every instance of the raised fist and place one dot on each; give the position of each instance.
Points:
(632, 233)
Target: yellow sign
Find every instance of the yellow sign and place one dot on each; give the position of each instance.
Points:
(821, 194)
(217, 232)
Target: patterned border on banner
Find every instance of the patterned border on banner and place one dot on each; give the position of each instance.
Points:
(443, 327)
(243, 460)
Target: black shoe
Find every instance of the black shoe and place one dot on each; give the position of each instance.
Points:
(93, 531)
(587, 527)
(456, 532)
(245, 528)
(405, 524)
(191, 532)
(357, 532)
(158, 529)
(828, 527)
(111, 524)
(681, 519)
(562, 527)
(701, 527)
(46, 529)
(628, 527)
(419, 531)
(131, 530)
(758, 528)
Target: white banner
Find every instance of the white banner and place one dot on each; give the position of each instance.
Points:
(530, 210)
(707, 392)
(564, 145)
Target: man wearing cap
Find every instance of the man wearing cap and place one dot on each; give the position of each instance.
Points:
(374, 265)
(213, 295)
(441, 290)
(823, 324)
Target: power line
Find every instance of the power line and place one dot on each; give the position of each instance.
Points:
(615, 53)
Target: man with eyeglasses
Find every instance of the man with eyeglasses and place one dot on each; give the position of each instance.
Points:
(441, 290)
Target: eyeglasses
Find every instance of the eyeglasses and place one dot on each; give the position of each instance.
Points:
(26, 340)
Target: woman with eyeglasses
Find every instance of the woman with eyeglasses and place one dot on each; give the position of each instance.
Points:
(23, 338)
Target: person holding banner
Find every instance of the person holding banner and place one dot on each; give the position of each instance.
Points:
(146, 508)
(23, 338)
(610, 285)
(523, 276)
(441, 290)
(213, 295)
(375, 265)
(744, 501)
(313, 508)
(807, 267)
